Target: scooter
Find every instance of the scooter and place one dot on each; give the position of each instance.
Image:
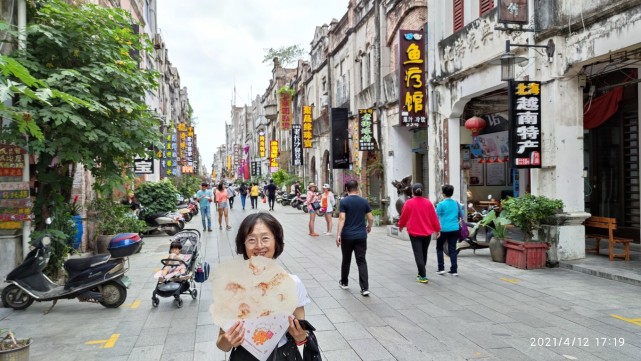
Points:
(287, 199)
(298, 201)
(163, 222)
(99, 279)
(472, 241)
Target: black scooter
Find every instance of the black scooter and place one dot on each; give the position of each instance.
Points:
(100, 279)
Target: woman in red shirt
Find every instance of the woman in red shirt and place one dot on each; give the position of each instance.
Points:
(419, 216)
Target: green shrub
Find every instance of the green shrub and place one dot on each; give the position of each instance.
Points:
(156, 197)
(528, 211)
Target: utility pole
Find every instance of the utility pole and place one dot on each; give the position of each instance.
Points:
(377, 92)
(22, 45)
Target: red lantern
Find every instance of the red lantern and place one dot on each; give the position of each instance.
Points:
(475, 125)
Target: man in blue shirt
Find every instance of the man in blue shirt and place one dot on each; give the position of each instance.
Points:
(204, 196)
(352, 235)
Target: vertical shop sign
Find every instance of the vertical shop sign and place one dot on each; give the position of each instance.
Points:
(340, 139)
(261, 145)
(365, 129)
(255, 169)
(273, 156)
(307, 126)
(525, 131)
(182, 143)
(190, 149)
(297, 145)
(170, 154)
(237, 159)
(15, 204)
(228, 163)
(412, 79)
(285, 111)
(11, 162)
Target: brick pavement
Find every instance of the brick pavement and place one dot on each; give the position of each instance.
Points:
(490, 312)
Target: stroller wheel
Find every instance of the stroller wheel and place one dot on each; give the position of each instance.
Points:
(155, 301)
(194, 293)
(178, 302)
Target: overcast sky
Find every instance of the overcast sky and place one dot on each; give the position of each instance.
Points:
(216, 44)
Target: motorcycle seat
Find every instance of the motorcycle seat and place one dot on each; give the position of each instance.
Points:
(82, 263)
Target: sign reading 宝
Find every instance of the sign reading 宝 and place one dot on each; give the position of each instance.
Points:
(412, 78)
(261, 145)
(297, 145)
(526, 124)
(273, 156)
(285, 111)
(307, 126)
(365, 129)
(143, 165)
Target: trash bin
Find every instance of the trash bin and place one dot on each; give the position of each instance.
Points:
(77, 240)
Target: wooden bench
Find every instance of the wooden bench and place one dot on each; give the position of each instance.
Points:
(611, 225)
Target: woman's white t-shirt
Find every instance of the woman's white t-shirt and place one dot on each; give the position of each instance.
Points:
(303, 300)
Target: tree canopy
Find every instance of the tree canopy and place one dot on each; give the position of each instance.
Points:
(288, 55)
(90, 54)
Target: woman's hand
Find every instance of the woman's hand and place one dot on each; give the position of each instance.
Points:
(234, 337)
(295, 330)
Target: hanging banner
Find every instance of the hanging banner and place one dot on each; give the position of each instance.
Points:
(525, 133)
(412, 78)
(261, 145)
(307, 126)
(273, 156)
(365, 129)
(297, 145)
(340, 139)
(285, 111)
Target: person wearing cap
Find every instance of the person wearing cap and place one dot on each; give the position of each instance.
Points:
(327, 203)
(204, 197)
(311, 198)
(419, 216)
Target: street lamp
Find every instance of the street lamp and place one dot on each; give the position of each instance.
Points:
(508, 59)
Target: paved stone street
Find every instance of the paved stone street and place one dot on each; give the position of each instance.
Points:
(490, 312)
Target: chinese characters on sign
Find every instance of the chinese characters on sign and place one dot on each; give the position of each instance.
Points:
(307, 126)
(143, 165)
(170, 154)
(365, 129)
(513, 12)
(412, 79)
(11, 161)
(261, 145)
(255, 169)
(526, 123)
(188, 165)
(273, 156)
(182, 143)
(15, 204)
(297, 145)
(285, 111)
(237, 156)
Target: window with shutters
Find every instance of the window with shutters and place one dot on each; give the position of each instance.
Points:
(459, 20)
(485, 6)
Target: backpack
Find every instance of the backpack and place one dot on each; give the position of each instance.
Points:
(230, 193)
(202, 273)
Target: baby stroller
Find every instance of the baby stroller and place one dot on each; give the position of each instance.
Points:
(175, 284)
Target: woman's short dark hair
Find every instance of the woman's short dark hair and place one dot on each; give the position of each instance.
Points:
(448, 190)
(220, 186)
(247, 226)
(417, 189)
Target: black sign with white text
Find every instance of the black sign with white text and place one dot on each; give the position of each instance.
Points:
(525, 133)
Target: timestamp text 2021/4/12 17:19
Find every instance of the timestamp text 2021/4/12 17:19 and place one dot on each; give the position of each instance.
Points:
(577, 341)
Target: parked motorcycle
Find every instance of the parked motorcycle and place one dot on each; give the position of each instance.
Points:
(299, 201)
(482, 228)
(287, 199)
(99, 279)
(167, 222)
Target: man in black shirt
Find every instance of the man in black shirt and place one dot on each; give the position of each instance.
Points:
(271, 194)
(352, 235)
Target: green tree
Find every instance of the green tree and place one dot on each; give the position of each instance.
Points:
(288, 55)
(89, 53)
(156, 197)
(187, 185)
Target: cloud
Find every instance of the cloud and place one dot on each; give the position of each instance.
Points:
(217, 45)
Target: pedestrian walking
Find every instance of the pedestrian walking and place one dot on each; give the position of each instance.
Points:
(352, 235)
(328, 201)
(243, 194)
(309, 201)
(253, 195)
(223, 206)
(260, 234)
(204, 198)
(270, 190)
(419, 216)
(231, 195)
(448, 211)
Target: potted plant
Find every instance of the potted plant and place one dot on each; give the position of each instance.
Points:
(377, 213)
(527, 213)
(110, 219)
(499, 228)
(12, 348)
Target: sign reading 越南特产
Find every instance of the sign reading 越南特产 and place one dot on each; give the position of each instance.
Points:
(525, 130)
